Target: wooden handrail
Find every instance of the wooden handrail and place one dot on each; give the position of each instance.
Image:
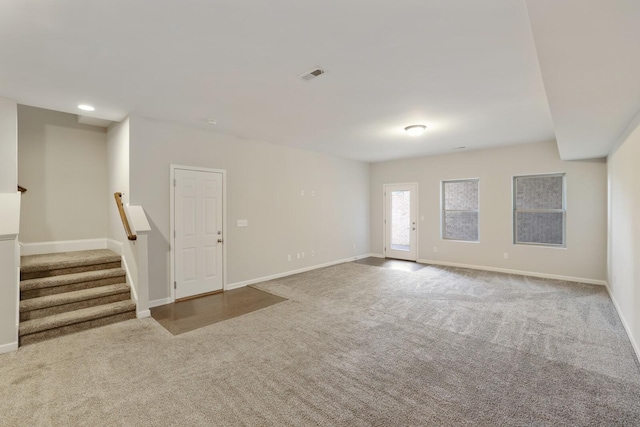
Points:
(123, 217)
(22, 189)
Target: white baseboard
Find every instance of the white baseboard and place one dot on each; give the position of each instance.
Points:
(634, 344)
(142, 314)
(115, 246)
(6, 348)
(376, 255)
(518, 272)
(127, 273)
(159, 302)
(291, 272)
(38, 248)
(237, 285)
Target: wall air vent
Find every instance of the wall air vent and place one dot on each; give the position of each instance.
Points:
(312, 73)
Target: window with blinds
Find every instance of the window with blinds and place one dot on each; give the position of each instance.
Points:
(460, 210)
(539, 210)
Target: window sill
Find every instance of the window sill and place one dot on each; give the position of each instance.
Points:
(540, 245)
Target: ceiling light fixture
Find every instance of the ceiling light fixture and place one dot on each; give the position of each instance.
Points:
(212, 122)
(86, 107)
(415, 130)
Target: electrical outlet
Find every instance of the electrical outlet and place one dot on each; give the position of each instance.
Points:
(302, 192)
(505, 255)
(302, 254)
(354, 245)
(298, 255)
(288, 257)
(313, 253)
(435, 249)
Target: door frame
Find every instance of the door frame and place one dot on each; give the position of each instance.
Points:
(384, 216)
(172, 230)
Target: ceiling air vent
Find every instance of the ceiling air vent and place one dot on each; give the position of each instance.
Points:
(312, 74)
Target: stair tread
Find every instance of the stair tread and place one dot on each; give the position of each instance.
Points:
(76, 316)
(66, 279)
(71, 297)
(60, 260)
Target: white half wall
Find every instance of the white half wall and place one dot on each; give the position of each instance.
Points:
(624, 231)
(118, 145)
(117, 175)
(9, 264)
(63, 165)
(264, 186)
(585, 254)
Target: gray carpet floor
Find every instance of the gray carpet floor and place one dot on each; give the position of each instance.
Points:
(355, 345)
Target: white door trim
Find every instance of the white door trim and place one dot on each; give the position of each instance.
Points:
(384, 216)
(172, 255)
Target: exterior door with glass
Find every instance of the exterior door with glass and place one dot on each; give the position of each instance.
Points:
(400, 221)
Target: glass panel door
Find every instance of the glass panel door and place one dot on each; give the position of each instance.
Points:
(400, 221)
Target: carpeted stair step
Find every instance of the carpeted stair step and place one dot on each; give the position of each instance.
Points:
(74, 321)
(36, 308)
(44, 286)
(46, 265)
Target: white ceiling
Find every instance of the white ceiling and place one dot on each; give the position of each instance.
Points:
(589, 54)
(467, 69)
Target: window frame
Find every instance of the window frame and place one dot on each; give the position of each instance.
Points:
(515, 210)
(443, 210)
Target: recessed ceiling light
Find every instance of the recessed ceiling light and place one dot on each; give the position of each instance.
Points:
(212, 122)
(86, 107)
(415, 130)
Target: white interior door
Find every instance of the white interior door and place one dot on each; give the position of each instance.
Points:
(401, 211)
(198, 232)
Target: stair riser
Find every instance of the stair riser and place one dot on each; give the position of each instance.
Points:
(42, 312)
(77, 327)
(43, 292)
(25, 275)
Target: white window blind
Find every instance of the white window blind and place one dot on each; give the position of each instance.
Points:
(539, 209)
(460, 210)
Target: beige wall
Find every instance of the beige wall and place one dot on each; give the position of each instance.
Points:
(8, 148)
(9, 254)
(624, 231)
(585, 252)
(118, 175)
(264, 184)
(63, 165)
(118, 140)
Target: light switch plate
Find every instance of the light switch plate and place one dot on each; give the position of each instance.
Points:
(243, 223)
